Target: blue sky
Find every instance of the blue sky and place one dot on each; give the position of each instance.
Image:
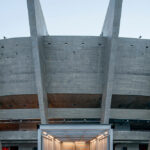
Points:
(75, 17)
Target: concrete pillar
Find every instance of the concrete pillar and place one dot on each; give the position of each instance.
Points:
(111, 31)
(37, 30)
(0, 145)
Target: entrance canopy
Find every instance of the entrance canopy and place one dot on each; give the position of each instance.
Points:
(75, 132)
(74, 137)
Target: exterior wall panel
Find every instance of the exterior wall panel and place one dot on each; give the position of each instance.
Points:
(75, 65)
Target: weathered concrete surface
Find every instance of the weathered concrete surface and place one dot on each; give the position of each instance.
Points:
(32, 135)
(75, 67)
(131, 135)
(75, 62)
(132, 72)
(108, 76)
(111, 31)
(37, 30)
(111, 25)
(16, 65)
(74, 113)
(18, 135)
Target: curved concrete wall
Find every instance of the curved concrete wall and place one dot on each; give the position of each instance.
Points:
(16, 67)
(132, 72)
(75, 65)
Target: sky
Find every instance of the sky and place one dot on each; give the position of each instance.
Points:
(75, 17)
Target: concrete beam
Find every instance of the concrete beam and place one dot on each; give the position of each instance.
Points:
(37, 30)
(55, 113)
(18, 135)
(111, 31)
(131, 135)
(118, 135)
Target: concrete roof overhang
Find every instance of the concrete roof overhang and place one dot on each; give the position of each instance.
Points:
(72, 133)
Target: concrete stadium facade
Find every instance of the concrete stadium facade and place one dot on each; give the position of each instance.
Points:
(75, 79)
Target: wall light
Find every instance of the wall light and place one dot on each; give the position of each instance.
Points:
(44, 133)
(57, 140)
(50, 136)
(93, 140)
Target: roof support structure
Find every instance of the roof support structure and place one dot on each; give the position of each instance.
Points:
(37, 30)
(110, 31)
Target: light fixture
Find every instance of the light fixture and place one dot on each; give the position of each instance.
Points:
(44, 133)
(50, 136)
(80, 142)
(93, 140)
(57, 140)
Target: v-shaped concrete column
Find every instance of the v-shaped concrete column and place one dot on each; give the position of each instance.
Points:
(37, 30)
(110, 31)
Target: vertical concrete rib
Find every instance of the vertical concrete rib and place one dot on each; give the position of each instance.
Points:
(38, 30)
(110, 31)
